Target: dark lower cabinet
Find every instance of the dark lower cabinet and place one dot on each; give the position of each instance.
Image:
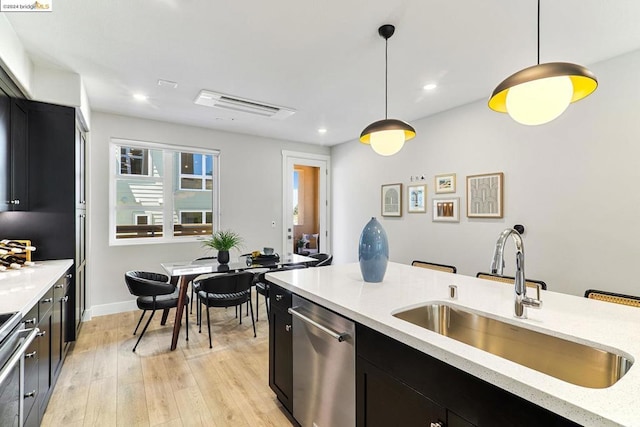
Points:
(385, 401)
(280, 346)
(423, 390)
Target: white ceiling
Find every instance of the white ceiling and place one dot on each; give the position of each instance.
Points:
(324, 59)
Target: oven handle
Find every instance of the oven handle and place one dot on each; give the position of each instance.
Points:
(17, 355)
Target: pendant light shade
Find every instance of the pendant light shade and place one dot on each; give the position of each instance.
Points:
(387, 136)
(541, 93)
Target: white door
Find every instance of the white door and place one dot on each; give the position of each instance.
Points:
(291, 159)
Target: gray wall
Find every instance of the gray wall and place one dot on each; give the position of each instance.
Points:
(573, 183)
(251, 197)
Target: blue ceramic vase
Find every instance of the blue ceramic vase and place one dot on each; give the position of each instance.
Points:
(373, 252)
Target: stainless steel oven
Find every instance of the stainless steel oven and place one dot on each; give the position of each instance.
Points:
(14, 340)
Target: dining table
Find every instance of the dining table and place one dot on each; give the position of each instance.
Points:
(188, 270)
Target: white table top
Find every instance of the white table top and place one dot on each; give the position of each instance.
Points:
(608, 326)
(21, 289)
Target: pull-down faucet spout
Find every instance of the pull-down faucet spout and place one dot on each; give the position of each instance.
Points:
(497, 267)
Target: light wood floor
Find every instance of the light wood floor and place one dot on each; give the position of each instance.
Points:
(103, 383)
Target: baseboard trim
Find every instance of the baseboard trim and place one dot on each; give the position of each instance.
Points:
(113, 308)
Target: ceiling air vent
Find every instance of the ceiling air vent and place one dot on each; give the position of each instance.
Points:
(246, 106)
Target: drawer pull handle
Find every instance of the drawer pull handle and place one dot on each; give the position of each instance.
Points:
(41, 334)
(32, 321)
(30, 394)
(58, 286)
(32, 354)
(279, 297)
(47, 300)
(287, 328)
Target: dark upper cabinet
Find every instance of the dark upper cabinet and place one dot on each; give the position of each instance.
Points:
(13, 154)
(5, 156)
(19, 156)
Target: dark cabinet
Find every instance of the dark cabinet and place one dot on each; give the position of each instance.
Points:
(280, 346)
(58, 323)
(386, 401)
(44, 350)
(424, 390)
(31, 361)
(19, 195)
(13, 154)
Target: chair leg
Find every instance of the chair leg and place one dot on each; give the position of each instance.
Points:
(139, 321)
(199, 316)
(257, 304)
(186, 321)
(165, 314)
(252, 321)
(191, 304)
(144, 330)
(209, 326)
(240, 312)
(266, 304)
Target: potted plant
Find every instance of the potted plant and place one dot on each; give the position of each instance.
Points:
(223, 241)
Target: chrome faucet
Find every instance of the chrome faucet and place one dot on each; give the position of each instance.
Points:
(497, 267)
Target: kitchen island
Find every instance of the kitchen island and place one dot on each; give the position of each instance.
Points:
(612, 327)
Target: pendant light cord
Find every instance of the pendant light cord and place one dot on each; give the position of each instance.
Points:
(386, 72)
(538, 32)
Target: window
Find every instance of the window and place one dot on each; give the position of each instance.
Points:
(196, 171)
(161, 193)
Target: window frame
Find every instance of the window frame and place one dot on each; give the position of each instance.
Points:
(171, 184)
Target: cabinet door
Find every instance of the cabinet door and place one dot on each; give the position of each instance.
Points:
(281, 357)
(56, 328)
(19, 157)
(384, 401)
(44, 362)
(5, 147)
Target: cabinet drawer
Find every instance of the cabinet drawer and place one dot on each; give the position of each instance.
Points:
(31, 376)
(32, 318)
(46, 303)
(279, 298)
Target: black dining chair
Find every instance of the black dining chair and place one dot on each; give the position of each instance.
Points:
(262, 285)
(224, 290)
(322, 260)
(153, 292)
(434, 266)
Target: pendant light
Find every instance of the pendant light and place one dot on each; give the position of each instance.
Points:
(387, 136)
(541, 93)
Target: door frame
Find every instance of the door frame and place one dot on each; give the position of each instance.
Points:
(322, 161)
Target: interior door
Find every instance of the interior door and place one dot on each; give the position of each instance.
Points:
(290, 161)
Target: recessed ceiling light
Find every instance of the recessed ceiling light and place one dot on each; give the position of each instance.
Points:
(140, 97)
(430, 86)
(322, 130)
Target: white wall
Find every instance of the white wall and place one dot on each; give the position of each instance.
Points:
(573, 183)
(251, 197)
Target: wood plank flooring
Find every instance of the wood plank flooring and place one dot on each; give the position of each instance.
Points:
(103, 383)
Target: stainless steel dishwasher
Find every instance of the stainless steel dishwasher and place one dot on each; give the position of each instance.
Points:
(324, 366)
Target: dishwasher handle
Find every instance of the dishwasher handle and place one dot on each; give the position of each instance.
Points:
(337, 335)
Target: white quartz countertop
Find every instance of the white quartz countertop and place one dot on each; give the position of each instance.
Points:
(21, 289)
(600, 324)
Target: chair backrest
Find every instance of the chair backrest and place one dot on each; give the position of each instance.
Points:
(434, 266)
(225, 283)
(631, 300)
(323, 259)
(146, 284)
(510, 280)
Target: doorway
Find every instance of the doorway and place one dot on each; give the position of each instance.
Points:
(306, 203)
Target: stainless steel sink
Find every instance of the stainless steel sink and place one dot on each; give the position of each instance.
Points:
(569, 361)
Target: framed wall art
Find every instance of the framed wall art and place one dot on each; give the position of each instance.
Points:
(446, 183)
(485, 195)
(391, 200)
(417, 198)
(446, 209)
